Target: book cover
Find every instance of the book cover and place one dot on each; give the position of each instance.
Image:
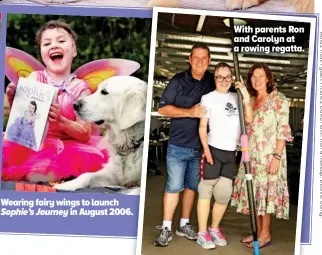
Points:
(28, 119)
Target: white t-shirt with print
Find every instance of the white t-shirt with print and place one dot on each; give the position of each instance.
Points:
(223, 119)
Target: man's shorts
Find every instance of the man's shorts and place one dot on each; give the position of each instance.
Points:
(183, 168)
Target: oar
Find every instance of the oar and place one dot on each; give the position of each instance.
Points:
(245, 150)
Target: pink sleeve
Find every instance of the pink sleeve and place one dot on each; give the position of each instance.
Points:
(39, 76)
(80, 87)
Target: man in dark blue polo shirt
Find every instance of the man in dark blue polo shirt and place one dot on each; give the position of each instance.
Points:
(181, 102)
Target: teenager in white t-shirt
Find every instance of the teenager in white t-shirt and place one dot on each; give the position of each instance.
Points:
(219, 146)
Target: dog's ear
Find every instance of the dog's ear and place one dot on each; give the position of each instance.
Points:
(131, 108)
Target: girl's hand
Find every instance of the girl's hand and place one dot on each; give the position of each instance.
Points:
(274, 166)
(11, 91)
(241, 86)
(55, 114)
(208, 157)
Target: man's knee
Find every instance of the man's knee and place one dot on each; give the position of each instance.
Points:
(223, 190)
(174, 185)
(205, 188)
(176, 175)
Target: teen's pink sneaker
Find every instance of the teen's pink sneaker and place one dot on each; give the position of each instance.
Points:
(217, 236)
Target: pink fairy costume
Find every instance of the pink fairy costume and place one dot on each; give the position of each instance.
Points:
(61, 155)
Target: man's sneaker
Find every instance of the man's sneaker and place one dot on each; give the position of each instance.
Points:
(164, 236)
(205, 240)
(188, 231)
(217, 236)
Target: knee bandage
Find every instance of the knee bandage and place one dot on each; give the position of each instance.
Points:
(223, 190)
(206, 187)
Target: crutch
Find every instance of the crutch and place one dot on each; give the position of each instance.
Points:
(245, 149)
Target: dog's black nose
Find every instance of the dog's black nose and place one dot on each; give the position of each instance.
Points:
(77, 105)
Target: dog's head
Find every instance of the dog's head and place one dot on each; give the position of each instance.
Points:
(119, 100)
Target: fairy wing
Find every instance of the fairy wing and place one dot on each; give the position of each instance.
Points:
(20, 64)
(99, 70)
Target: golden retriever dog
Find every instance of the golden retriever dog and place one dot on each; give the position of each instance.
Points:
(119, 102)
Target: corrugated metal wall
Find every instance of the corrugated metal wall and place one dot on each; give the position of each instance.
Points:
(296, 113)
(295, 118)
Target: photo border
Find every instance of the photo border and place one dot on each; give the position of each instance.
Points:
(309, 93)
(68, 227)
(313, 244)
(307, 198)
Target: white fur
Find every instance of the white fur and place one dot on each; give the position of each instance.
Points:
(241, 4)
(234, 4)
(123, 110)
(302, 6)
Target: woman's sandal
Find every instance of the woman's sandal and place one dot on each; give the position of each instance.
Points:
(250, 237)
(266, 244)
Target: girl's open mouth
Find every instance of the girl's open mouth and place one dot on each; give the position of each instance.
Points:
(56, 57)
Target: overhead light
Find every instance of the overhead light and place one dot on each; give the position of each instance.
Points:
(200, 23)
(237, 22)
(295, 88)
(189, 46)
(199, 38)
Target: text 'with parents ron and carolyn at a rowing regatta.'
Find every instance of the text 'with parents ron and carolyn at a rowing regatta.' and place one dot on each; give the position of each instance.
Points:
(276, 39)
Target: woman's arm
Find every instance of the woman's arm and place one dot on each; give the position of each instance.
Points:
(280, 145)
(248, 112)
(282, 117)
(248, 108)
(284, 134)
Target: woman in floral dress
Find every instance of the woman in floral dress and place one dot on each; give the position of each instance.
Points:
(267, 136)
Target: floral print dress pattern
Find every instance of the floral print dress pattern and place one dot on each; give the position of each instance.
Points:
(271, 123)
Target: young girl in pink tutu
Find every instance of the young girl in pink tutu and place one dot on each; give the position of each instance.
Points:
(70, 147)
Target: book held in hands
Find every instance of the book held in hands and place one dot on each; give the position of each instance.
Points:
(28, 120)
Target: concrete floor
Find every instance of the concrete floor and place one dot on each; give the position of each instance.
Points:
(235, 226)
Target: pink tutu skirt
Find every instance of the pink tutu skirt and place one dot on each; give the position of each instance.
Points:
(62, 158)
